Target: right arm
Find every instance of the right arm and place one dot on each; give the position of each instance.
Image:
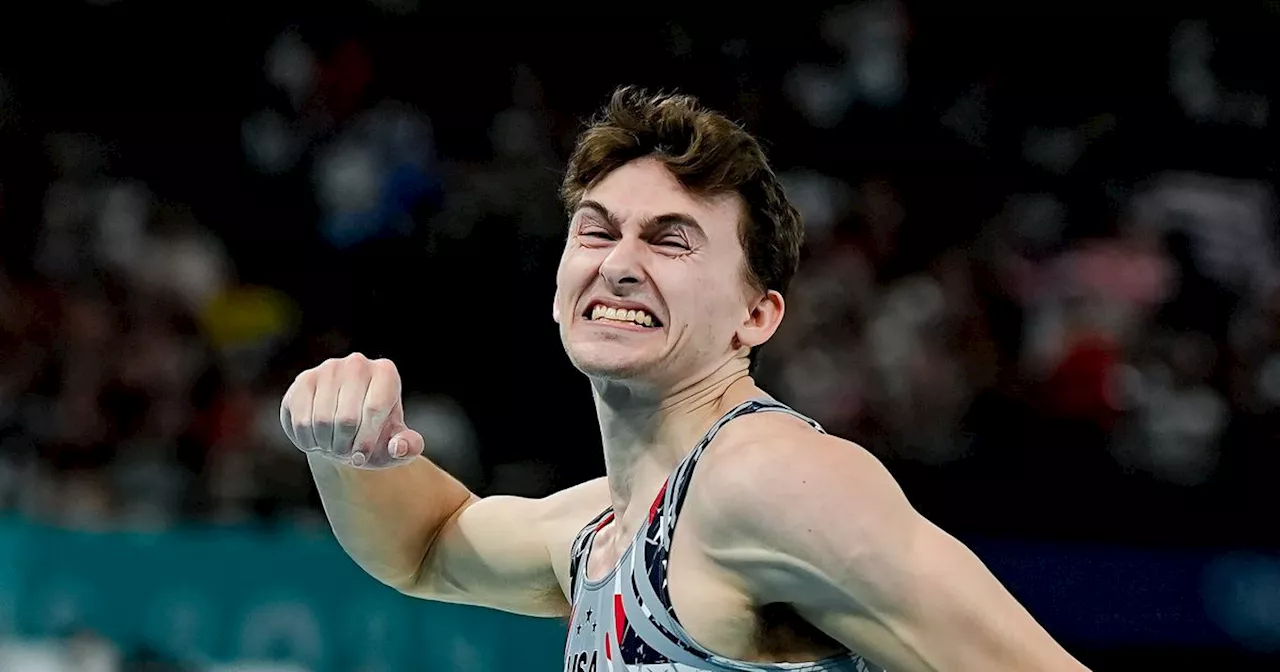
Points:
(410, 524)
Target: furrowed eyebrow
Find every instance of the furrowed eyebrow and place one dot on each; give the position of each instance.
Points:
(664, 221)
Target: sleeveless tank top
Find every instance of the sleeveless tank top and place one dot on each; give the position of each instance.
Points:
(624, 622)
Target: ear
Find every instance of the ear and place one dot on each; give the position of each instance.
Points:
(764, 318)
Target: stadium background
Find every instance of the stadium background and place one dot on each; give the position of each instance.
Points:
(1040, 284)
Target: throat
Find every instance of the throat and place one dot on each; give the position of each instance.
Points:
(644, 439)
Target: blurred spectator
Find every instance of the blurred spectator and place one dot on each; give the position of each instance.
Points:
(1046, 296)
(986, 276)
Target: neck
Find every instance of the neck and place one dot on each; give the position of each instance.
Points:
(647, 432)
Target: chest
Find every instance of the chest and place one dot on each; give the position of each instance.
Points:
(709, 608)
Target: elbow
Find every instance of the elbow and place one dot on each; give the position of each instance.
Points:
(428, 574)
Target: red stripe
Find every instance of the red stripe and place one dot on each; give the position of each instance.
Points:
(657, 502)
(602, 523)
(619, 617)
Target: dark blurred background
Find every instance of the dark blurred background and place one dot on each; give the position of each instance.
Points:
(1041, 282)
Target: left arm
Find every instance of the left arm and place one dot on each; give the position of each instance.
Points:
(823, 527)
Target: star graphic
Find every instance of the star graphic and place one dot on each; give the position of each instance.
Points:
(588, 614)
(579, 630)
(593, 627)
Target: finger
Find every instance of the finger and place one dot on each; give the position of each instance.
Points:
(349, 409)
(382, 396)
(286, 418)
(301, 396)
(406, 444)
(324, 404)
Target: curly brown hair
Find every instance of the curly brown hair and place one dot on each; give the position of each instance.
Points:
(708, 154)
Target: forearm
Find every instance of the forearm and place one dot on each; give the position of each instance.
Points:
(387, 519)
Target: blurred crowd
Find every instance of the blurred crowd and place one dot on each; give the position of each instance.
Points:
(997, 297)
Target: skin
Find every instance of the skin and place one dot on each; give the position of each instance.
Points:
(757, 530)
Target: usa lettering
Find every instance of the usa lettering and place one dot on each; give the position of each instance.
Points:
(581, 662)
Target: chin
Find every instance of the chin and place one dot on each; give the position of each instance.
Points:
(593, 362)
(609, 370)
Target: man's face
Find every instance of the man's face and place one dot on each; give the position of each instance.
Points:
(651, 286)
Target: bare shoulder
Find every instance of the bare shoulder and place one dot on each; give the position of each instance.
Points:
(813, 521)
(584, 499)
(772, 470)
(564, 514)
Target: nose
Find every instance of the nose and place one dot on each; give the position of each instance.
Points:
(624, 265)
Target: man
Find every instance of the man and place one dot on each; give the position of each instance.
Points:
(793, 546)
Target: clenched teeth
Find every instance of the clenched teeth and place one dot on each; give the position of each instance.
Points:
(635, 316)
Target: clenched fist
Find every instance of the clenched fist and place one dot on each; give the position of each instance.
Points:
(348, 410)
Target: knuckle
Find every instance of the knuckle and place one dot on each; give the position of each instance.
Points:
(317, 373)
(355, 364)
(384, 365)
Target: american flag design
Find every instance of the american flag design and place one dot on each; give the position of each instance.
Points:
(624, 622)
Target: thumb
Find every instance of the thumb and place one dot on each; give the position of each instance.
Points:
(405, 444)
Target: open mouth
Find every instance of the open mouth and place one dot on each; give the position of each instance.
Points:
(602, 313)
